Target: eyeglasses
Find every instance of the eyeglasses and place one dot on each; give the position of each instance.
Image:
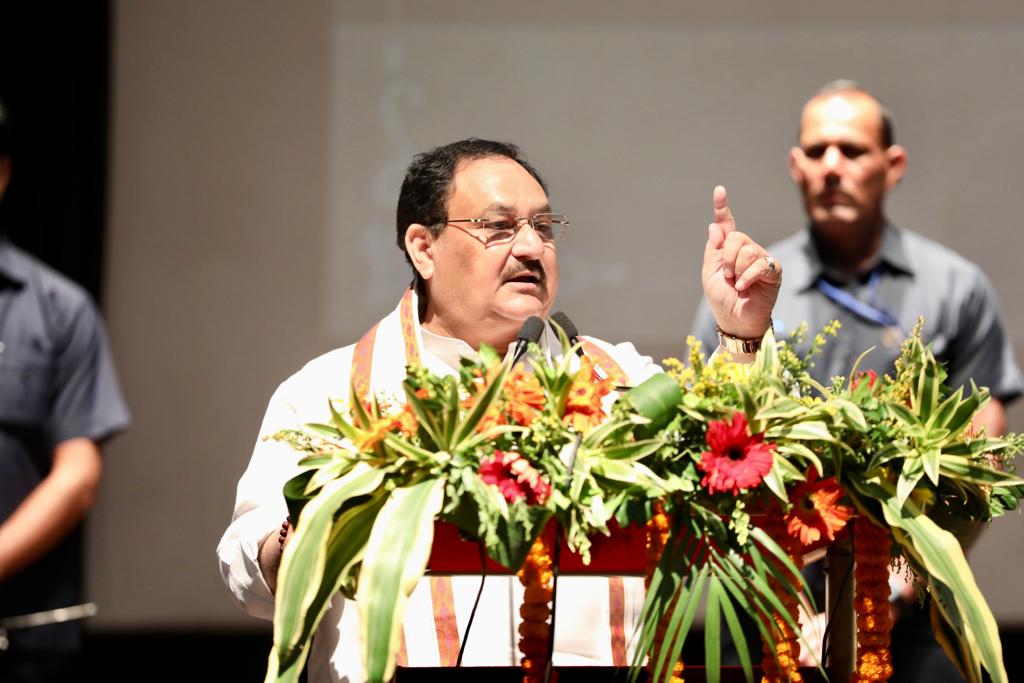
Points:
(502, 226)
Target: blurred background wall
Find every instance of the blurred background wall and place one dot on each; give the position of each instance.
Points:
(256, 150)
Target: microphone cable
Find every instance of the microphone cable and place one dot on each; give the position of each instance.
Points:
(476, 602)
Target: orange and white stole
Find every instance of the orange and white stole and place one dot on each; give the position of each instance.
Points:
(369, 376)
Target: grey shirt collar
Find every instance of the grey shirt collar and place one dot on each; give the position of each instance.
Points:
(892, 254)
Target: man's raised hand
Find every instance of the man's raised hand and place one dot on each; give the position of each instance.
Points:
(740, 279)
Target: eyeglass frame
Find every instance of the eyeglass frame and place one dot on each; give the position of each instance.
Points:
(529, 220)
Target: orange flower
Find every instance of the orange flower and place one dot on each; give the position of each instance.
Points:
(406, 421)
(375, 432)
(871, 600)
(816, 512)
(583, 409)
(493, 417)
(536, 576)
(524, 396)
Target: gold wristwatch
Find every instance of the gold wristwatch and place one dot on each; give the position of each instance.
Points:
(736, 344)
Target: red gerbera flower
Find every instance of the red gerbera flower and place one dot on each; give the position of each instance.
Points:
(815, 510)
(737, 460)
(515, 478)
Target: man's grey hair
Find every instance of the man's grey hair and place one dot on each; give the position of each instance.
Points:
(841, 86)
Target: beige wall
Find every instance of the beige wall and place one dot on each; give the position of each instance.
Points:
(258, 148)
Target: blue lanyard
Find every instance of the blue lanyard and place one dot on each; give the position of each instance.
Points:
(871, 311)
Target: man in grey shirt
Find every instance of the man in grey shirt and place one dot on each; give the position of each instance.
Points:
(854, 266)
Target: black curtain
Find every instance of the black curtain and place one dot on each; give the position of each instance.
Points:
(54, 79)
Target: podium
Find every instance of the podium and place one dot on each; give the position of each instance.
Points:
(623, 553)
(569, 674)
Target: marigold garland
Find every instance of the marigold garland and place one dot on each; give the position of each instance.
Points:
(657, 536)
(536, 576)
(782, 662)
(871, 602)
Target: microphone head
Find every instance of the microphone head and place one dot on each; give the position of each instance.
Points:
(562, 320)
(531, 330)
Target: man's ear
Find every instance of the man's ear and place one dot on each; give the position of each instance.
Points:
(897, 156)
(796, 156)
(419, 242)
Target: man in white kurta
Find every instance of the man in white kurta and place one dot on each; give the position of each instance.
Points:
(476, 225)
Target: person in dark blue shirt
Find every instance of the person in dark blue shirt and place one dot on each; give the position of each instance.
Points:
(59, 402)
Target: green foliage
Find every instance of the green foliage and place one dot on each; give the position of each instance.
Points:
(375, 477)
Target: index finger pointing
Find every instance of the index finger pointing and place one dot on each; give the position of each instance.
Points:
(723, 215)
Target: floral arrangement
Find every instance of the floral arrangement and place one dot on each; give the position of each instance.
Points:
(734, 470)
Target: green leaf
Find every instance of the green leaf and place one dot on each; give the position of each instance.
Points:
(801, 451)
(451, 412)
(890, 452)
(924, 400)
(297, 494)
(302, 568)
(471, 444)
(853, 415)
(630, 451)
(801, 431)
(424, 417)
(751, 601)
(344, 550)
(976, 447)
(774, 481)
(332, 470)
(408, 449)
(944, 413)
(513, 539)
(943, 560)
(341, 423)
(913, 470)
(767, 359)
(325, 430)
(656, 399)
(782, 409)
(965, 412)
(712, 630)
(481, 405)
(964, 469)
(930, 461)
(903, 414)
(739, 639)
(395, 558)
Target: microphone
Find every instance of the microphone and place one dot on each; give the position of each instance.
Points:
(531, 331)
(572, 334)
